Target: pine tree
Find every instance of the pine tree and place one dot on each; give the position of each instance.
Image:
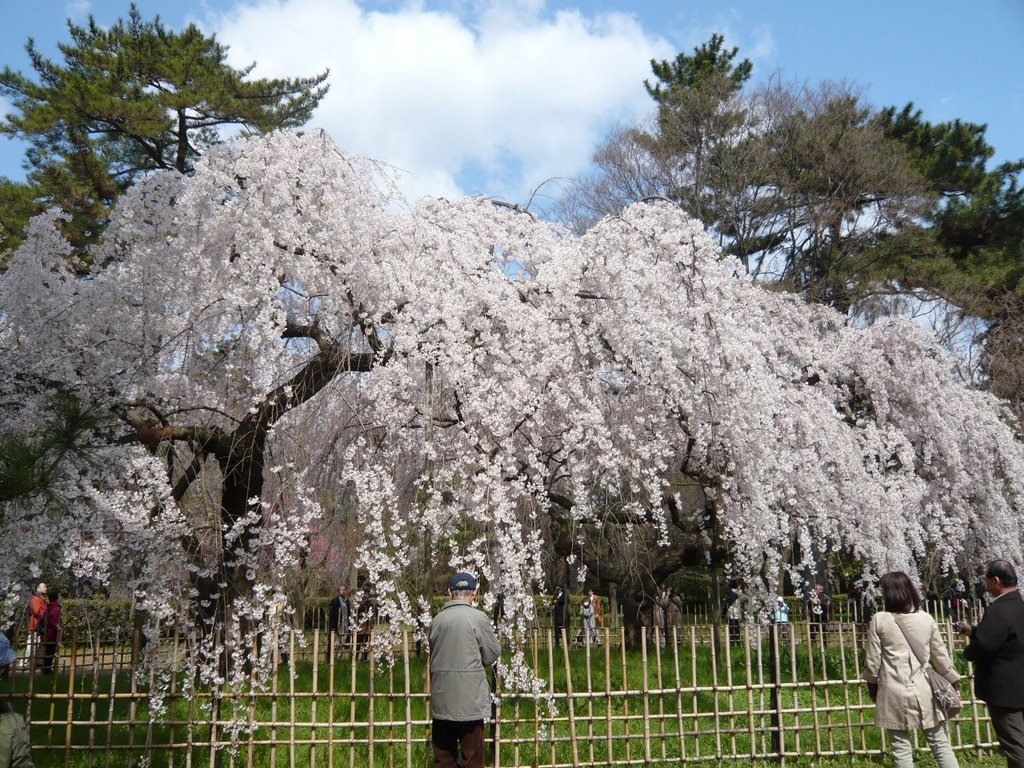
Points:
(127, 101)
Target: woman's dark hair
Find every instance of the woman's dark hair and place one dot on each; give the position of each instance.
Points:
(898, 593)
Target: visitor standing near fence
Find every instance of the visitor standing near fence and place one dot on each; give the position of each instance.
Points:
(463, 645)
(52, 632)
(558, 613)
(35, 614)
(896, 677)
(996, 647)
(589, 622)
(15, 750)
(338, 620)
(595, 600)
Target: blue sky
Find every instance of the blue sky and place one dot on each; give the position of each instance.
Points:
(498, 97)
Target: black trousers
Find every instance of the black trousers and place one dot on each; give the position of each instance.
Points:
(448, 736)
(1009, 727)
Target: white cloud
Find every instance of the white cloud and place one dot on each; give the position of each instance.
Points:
(496, 102)
(77, 10)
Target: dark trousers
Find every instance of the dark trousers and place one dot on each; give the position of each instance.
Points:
(448, 736)
(50, 656)
(1009, 727)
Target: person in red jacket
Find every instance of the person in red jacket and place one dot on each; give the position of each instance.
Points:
(52, 632)
(35, 612)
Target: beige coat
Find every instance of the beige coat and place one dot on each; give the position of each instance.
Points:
(904, 697)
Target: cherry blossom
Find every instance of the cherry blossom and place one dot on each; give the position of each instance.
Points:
(280, 334)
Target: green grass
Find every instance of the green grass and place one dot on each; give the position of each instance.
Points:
(819, 724)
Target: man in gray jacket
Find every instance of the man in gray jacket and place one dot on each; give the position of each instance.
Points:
(462, 646)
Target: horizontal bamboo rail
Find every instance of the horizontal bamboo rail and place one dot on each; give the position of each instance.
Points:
(791, 690)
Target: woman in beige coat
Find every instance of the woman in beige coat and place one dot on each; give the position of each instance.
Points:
(903, 698)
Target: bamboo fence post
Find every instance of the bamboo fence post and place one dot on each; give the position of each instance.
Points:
(761, 687)
(775, 659)
(290, 667)
(252, 714)
(408, 698)
(572, 705)
(846, 691)
(149, 720)
(426, 688)
(497, 716)
(53, 700)
(715, 689)
(352, 703)
(536, 699)
(812, 684)
(70, 712)
(609, 729)
(660, 661)
(190, 733)
(391, 716)
(97, 649)
(172, 693)
(215, 698)
(796, 688)
(133, 708)
(646, 692)
(110, 709)
(750, 691)
(695, 693)
(313, 702)
(860, 693)
(551, 694)
(371, 712)
(625, 690)
(974, 715)
(679, 693)
(823, 655)
(532, 635)
(275, 653)
(730, 689)
(590, 705)
(331, 667)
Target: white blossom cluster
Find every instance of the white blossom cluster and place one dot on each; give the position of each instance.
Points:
(517, 374)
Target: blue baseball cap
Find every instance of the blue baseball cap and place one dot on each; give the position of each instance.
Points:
(462, 580)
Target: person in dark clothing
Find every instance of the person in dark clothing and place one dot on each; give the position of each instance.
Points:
(52, 632)
(996, 647)
(558, 614)
(338, 620)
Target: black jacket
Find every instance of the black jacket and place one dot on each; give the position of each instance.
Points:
(997, 650)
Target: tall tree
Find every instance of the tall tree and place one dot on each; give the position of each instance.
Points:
(968, 248)
(621, 384)
(124, 102)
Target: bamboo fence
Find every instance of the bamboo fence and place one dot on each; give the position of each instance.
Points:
(774, 692)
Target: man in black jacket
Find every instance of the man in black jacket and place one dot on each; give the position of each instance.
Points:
(338, 622)
(997, 649)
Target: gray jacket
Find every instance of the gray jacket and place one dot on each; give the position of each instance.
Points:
(15, 751)
(462, 646)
